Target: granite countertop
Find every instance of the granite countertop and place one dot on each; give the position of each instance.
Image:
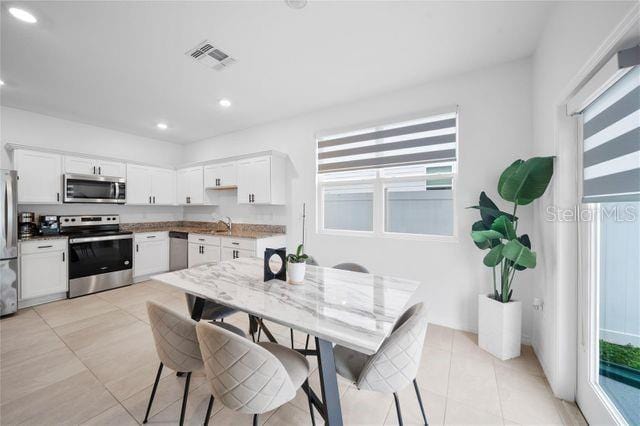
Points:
(240, 230)
(42, 237)
(352, 309)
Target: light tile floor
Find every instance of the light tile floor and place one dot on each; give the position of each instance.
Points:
(92, 360)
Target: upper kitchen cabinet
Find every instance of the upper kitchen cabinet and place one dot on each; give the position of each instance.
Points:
(39, 176)
(220, 176)
(150, 185)
(90, 166)
(190, 185)
(261, 180)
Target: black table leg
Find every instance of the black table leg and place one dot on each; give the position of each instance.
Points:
(329, 383)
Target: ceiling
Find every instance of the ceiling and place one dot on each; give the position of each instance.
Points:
(122, 65)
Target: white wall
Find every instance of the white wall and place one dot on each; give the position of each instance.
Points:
(573, 35)
(495, 129)
(41, 131)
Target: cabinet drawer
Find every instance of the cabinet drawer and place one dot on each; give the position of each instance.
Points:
(146, 236)
(43, 246)
(239, 243)
(211, 240)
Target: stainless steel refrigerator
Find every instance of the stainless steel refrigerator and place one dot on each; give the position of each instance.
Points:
(8, 242)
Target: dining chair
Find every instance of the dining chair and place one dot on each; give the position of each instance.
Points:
(247, 377)
(212, 311)
(396, 363)
(177, 346)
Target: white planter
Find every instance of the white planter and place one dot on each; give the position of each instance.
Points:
(499, 327)
(295, 272)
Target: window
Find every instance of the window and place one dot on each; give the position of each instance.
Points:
(391, 180)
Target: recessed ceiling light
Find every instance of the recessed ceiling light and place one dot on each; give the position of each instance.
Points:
(224, 103)
(22, 15)
(1, 83)
(296, 4)
(162, 126)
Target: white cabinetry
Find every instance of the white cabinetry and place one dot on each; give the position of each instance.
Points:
(43, 271)
(203, 249)
(39, 176)
(261, 180)
(91, 166)
(190, 185)
(150, 185)
(151, 254)
(220, 176)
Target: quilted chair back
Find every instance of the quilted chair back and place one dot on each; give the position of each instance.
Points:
(396, 363)
(353, 267)
(242, 375)
(175, 338)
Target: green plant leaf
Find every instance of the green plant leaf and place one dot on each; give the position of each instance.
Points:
(299, 250)
(524, 239)
(479, 226)
(489, 211)
(494, 257)
(486, 235)
(524, 181)
(519, 254)
(504, 226)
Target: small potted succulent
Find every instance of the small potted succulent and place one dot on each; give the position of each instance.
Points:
(499, 315)
(296, 265)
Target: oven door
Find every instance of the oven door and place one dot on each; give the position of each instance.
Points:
(99, 255)
(94, 189)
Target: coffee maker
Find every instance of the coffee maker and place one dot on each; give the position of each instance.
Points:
(27, 226)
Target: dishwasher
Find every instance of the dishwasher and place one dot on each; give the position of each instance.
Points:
(178, 251)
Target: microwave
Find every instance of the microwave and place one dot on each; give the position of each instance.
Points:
(94, 189)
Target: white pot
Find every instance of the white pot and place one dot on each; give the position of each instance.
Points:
(499, 327)
(295, 272)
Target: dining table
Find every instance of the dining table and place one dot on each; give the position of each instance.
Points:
(336, 307)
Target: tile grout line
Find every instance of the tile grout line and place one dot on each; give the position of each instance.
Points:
(446, 398)
(86, 367)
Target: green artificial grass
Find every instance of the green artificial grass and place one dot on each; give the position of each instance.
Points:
(623, 355)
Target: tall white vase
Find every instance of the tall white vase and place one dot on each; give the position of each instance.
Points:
(499, 327)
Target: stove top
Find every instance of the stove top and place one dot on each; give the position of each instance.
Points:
(91, 226)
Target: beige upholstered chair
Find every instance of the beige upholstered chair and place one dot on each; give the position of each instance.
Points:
(249, 377)
(177, 346)
(396, 363)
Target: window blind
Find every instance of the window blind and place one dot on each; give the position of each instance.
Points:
(428, 140)
(611, 135)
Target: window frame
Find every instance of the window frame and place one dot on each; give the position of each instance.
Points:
(380, 183)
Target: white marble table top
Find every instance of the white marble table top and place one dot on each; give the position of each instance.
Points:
(352, 309)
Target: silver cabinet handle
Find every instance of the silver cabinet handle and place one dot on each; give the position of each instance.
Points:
(9, 206)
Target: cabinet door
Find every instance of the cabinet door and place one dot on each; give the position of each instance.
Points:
(195, 188)
(195, 256)
(80, 165)
(228, 253)
(151, 257)
(261, 180)
(245, 181)
(39, 177)
(211, 254)
(138, 184)
(42, 274)
(111, 168)
(163, 186)
(211, 175)
(227, 174)
(182, 177)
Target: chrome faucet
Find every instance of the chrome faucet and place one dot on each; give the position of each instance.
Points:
(227, 224)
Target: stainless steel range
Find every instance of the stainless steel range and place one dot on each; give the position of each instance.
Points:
(100, 254)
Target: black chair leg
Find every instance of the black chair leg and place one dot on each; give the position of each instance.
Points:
(305, 386)
(291, 332)
(306, 344)
(259, 332)
(184, 398)
(395, 397)
(255, 420)
(424, 416)
(153, 393)
(209, 407)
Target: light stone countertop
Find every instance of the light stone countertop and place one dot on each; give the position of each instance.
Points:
(352, 309)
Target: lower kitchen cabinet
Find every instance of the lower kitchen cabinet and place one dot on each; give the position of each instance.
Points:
(43, 271)
(229, 253)
(203, 249)
(151, 253)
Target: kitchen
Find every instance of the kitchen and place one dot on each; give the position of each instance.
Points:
(60, 256)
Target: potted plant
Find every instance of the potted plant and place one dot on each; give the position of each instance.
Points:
(296, 265)
(500, 316)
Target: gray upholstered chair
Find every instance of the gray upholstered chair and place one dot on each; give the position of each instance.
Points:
(396, 363)
(212, 311)
(353, 267)
(177, 346)
(249, 377)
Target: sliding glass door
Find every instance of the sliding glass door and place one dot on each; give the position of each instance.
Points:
(609, 243)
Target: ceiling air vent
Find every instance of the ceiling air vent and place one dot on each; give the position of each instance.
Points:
(210, 56)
